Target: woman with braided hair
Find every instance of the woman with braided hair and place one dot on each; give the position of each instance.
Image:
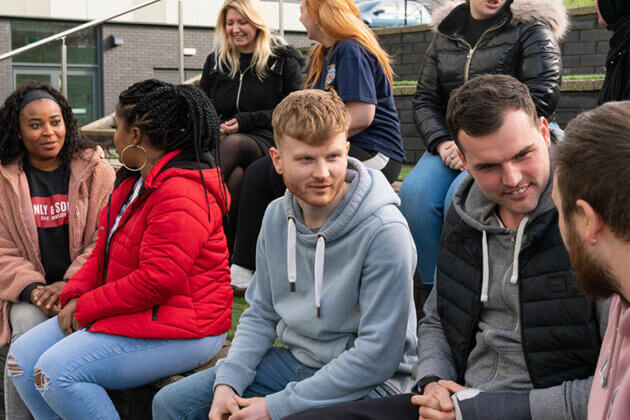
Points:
(154, 297)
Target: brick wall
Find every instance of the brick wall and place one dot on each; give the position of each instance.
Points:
(583, 49)
(149, 47)
(6, 75)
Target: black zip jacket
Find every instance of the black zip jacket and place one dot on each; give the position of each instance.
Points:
(523, 43)
(249, 99)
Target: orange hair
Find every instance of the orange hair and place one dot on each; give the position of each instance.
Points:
(340, 20)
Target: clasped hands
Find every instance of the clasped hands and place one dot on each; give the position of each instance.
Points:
(435, 403)
(227, 405)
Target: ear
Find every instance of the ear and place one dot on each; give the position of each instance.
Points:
(276, 158)
(347, 148)
(593, 223)
(462, 158)
(544, 130)
(136, 135)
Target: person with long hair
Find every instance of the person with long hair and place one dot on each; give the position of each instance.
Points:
(348, 59)
(247, 74)
(153, 299)
(615, 15)
(53, 184)
(513, 37)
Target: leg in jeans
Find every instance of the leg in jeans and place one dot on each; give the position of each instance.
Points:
(397, 407)
(422, 203)
(72, 373)
(22, 316)
(191, 397)
(451, 192)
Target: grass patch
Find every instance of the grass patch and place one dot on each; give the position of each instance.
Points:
(583, 76)
(404, 171)
(405, 82)
(237, 309)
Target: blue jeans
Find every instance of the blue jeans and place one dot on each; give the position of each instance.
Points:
(191, 397)
(66, 376)
(426, 195)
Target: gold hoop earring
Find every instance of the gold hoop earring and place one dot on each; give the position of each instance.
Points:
(122, 159)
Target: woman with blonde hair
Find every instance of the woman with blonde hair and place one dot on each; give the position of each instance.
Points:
(247, 74)
(348, 59)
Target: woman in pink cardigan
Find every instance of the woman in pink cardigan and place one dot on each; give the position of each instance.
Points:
(53, 184)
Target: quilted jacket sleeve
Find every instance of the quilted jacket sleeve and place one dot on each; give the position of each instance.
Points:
(429, 104)
(541, 67)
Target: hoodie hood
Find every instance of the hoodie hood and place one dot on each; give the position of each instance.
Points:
(368, 192)
(479, 212)
(553, 13)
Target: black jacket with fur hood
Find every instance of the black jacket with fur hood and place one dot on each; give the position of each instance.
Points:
(523, 44)
(249, 99)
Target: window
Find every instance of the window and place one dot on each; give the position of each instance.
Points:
(82, 46)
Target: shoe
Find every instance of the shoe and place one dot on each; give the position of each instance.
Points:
(241, 277)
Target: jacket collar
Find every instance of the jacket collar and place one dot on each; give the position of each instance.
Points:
(552, 13)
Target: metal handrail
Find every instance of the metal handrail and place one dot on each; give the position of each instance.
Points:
(62, 36)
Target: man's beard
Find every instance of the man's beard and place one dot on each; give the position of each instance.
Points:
(593, 278)
(303, 195)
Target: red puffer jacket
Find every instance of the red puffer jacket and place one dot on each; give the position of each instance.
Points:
(166, 273)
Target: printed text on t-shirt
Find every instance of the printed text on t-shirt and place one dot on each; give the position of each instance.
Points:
(50, 211)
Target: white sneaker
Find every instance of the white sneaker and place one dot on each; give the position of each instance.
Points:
(241, 277)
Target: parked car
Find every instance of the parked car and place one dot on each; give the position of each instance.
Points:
(377, 13)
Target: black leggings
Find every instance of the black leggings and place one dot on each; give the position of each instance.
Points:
(238, 151)
(261, 186)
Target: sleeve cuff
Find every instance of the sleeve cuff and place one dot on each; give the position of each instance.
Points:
(234, 375)
(25, 295)
(278, 406)
(426, 381)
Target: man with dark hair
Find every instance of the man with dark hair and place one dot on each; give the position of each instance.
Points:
(506, 332)
(592, 193)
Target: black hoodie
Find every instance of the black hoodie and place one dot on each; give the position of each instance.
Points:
(249, 99)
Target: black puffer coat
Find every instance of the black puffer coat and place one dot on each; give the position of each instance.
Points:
(249, 99)
(522, 44)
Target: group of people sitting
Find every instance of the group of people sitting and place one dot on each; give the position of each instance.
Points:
(111, 281)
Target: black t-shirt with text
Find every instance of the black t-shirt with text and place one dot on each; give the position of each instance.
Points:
(49, 197)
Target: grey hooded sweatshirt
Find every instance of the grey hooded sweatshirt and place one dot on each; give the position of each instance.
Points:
(340, 299)
(497, 361)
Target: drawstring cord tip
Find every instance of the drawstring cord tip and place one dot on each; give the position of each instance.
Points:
(318, 311)
(292, 287)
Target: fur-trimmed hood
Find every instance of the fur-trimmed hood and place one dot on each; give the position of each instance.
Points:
(551, 12)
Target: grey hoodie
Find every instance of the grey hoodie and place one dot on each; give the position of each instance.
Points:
(356, 273)
(497, 362)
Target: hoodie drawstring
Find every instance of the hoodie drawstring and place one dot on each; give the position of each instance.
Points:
(485, 279)
(320, 250)
(319, 271)
(486, 267)
(291, 245)
(517, 249)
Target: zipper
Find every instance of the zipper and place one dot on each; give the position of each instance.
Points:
(240, 86)
(471, 49)
(238, 94)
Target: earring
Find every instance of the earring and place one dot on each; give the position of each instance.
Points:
(122, 154)
(593, 241)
